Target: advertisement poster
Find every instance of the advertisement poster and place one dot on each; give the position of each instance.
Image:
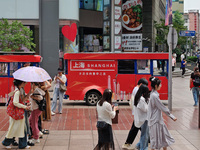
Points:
(118, 27)
(132, 42)
(132, 16)
(117, 42)
(106, 13)
(118, 13)
(118, 2)
(106, 27)
(168, 12)
(106, 42)
(92, 42)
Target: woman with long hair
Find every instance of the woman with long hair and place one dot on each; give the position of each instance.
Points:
(106, 114)
(159, 134)
(17, 128)
(140, 116)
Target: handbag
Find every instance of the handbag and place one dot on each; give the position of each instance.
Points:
(63, 87)
(13, 111)
(102, 125)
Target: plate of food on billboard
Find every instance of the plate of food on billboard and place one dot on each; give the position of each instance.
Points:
(132, 15)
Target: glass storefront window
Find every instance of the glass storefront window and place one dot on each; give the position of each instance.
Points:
(91, 4)
(143, 66)
(3, 69)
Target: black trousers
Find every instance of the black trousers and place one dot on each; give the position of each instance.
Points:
(183, 71)
(132, 134)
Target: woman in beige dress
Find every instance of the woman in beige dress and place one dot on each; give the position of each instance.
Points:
(17, 128)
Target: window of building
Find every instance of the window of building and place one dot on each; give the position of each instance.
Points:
(143, 66)
(3, 69)
(126, 66)
(180, 2)
(91, 4)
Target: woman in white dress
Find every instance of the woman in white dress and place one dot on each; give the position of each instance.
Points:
(159, 134)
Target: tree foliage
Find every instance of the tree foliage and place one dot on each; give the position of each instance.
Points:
(162, 30)
(15, 35)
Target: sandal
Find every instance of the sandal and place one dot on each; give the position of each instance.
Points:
(45, 131)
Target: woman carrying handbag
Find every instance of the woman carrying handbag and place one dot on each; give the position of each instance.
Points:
(15, 110)
(104, 123)
(59, 80)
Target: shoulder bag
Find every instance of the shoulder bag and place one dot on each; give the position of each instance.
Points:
(63, 87)
(13, 111)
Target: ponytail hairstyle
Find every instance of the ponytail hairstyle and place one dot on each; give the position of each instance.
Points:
(143, 81)
(142, 91)
(17, 83)
(107, 96)
(154, 81)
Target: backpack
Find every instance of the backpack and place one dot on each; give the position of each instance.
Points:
(196, 81)
(41, 104)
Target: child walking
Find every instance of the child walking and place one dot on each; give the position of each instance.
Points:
(159, 134)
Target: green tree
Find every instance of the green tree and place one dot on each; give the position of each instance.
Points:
(15, 35)
(162, 31)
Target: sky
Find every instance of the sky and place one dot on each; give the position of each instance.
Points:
(191, 4)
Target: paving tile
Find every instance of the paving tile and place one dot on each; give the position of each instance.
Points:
(55, 148)
(56, 142)
(58, 136)
(79, 137)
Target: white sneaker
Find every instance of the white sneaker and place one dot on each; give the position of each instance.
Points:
(35, 141)
(127, 146)
(27, 147)
(40, 134)
(8, 147)
(52, 113)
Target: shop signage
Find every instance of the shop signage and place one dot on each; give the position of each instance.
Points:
(132, 25)
(70, 32)
(132, 42)
(118, 42)
(118, 2)
(118, 12)
(106, 42)
(106, 25)
(118, 27)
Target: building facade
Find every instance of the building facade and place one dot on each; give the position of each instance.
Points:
(178, 5)
(192, 20)
(87, 14)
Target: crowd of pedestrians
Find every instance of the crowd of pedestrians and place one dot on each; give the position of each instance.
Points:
(147, 110)
(28, 111)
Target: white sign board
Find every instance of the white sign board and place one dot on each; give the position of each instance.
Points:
(118, 27)
(132, 42)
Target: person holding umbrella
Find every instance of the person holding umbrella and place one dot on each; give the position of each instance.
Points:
(17, 126)
(58, 80)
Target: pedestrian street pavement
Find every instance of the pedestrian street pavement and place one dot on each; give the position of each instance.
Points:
(75, 128)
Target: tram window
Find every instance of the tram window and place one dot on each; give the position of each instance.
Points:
(160, 68)
(3, 69)
(126, 66)
(13, 67)
(143, 66)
